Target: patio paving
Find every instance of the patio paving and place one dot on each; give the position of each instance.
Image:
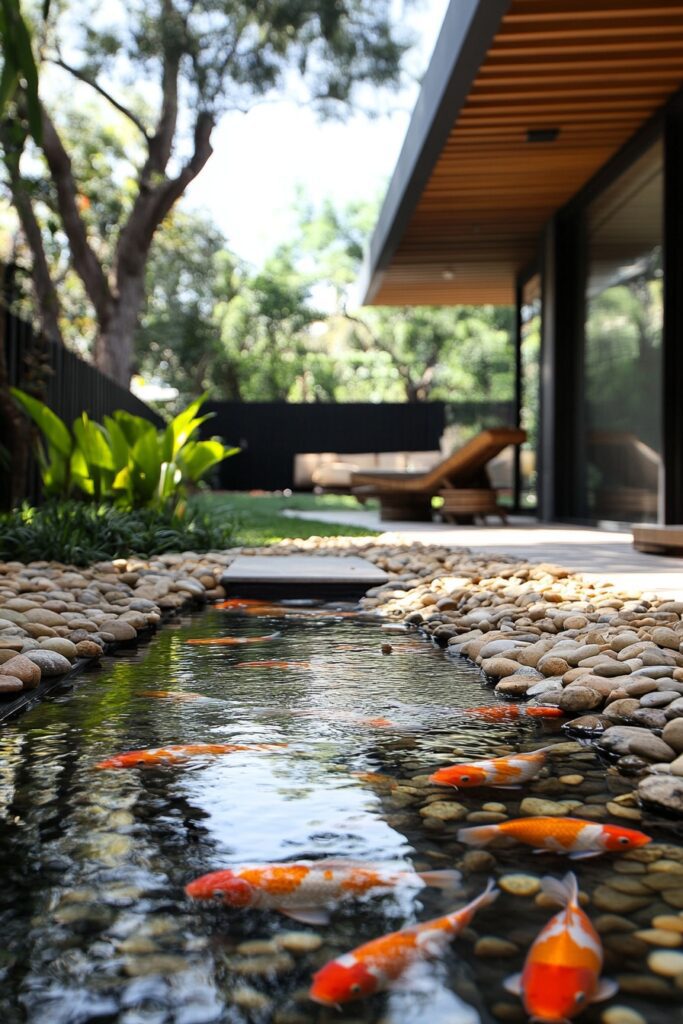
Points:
(598, 554)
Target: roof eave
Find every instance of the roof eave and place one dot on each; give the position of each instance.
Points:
(466, 34)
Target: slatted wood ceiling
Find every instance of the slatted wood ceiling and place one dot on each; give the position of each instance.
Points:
(595, 69)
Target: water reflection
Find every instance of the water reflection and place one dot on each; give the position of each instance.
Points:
(95, 920)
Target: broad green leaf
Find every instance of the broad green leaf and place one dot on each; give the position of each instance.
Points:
(18, 40)
(55, 430)
(133, 427)
(184, 425)
(198, 457)
(170, 481)
(117, 442)
(93, 442)
(146, 456)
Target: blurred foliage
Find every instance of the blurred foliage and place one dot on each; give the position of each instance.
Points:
(79, 533)
(163, 72)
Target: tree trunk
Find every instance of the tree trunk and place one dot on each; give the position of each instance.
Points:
(113, 353)
(15, 437)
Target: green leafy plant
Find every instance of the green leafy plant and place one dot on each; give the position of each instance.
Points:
(79, 533)
(126, 460)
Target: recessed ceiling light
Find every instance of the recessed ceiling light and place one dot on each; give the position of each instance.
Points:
(447, 275)
(542, 134)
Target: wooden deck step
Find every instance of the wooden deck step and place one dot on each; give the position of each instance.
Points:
(290, 576)
(658, 540)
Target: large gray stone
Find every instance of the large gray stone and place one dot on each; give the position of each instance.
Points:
(665, 792)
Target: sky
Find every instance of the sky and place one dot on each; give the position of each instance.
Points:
(260, 158)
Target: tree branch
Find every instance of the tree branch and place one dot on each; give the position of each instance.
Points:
(82, 77)
(45, 292)
(152, 205)
(84, 259)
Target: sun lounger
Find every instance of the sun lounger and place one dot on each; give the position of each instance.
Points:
(408, 496)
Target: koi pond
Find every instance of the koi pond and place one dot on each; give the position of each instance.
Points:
(338, 738)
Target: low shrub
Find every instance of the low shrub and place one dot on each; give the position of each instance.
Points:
(80, 533)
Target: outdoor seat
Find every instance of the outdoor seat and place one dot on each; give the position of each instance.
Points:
(408, 496)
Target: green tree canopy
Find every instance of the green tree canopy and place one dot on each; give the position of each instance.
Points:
(190, 61)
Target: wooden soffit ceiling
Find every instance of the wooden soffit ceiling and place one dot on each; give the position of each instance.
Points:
(595, 71)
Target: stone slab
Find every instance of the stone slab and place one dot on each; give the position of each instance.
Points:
(278, 576)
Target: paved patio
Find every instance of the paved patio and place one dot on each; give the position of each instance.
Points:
(598, 554)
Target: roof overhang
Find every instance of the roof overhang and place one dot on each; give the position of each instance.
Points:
(523, 101)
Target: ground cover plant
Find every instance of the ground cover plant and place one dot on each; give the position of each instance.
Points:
(79, 533)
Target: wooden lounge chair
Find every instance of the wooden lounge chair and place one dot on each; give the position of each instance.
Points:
(408, 496)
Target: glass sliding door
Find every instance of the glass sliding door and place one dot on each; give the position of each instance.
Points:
(622, 367)
(529, 369)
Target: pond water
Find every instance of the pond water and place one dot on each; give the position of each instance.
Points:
(95, 923)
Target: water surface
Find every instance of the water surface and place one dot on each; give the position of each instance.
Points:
(95, 923)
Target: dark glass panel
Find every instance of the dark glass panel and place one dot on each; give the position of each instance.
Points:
(623, 346)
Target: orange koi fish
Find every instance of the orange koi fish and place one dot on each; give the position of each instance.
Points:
(573, 836)
(561, 974)
(179, 695)
(376, 779)
(305, 890)
(232, 641)
(239, 602)
(374, 966)
(179, 752)
(273, 664)
(506, 712)
(503, 772)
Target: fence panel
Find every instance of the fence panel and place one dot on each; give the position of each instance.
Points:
(270, 434)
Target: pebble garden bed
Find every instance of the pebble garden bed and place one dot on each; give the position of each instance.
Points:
(612, 662)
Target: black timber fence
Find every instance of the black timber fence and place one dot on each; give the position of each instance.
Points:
(72, 386)
(66, 383)
(270, 434)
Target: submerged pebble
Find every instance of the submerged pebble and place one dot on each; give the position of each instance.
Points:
(519, 885)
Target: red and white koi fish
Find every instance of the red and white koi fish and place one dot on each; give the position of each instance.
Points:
(561, 974)
(508, 712)
(232, 641)
(573, 836)
(177, 695)
(503, 772)
(376, 965)
(273, 664)
(305, 890)
(180, 752)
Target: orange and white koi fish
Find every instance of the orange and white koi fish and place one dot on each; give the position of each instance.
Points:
(561, 974)
(503, 772)
(179, 695)
(180, 752)
(573, 836)
(506, 712)
(232, 641)
(305, 890)
(273, 664)
(376, 965)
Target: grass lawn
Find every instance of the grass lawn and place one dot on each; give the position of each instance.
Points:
(260, 520)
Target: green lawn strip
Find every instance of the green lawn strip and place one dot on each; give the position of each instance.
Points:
(259, 519)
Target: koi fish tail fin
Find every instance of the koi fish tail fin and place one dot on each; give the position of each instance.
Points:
(489, 895)
(480, 835)
(564, 891)
(446, 879)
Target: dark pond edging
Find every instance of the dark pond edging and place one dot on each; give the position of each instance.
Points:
(28, 699)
